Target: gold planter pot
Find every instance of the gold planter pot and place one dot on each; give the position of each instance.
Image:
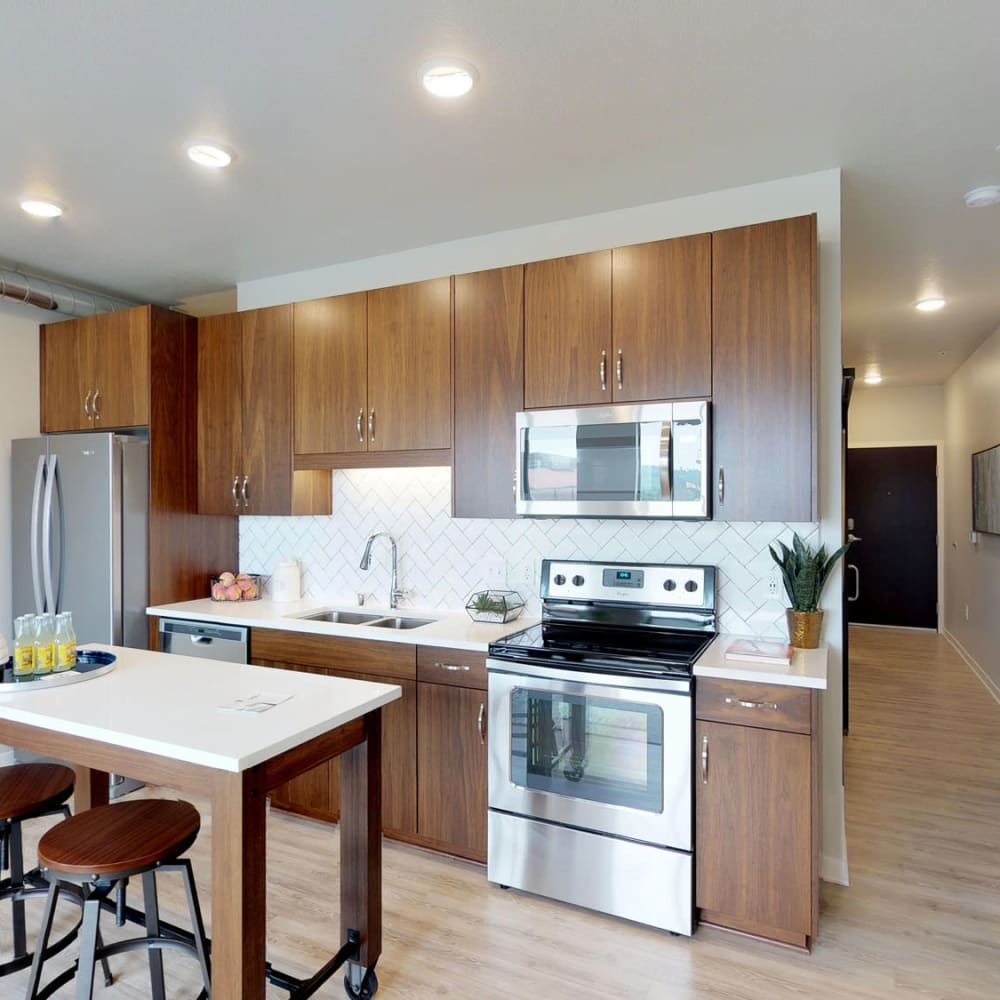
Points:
(804, 628)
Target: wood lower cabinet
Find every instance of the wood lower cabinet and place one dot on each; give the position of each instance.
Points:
(489, 390)
(245, 402)
(95, 371)
(756, 793)
(764, 367)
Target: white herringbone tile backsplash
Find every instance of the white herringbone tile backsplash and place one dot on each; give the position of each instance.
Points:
(442, 559)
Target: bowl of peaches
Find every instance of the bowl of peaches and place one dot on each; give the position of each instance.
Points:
(236, 587)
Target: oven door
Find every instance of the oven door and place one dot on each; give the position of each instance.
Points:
(592, 751)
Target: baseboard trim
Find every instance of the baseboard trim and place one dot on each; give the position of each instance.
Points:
(970, 661)
(833, 870)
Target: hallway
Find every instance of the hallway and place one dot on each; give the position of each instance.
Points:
(921, 920)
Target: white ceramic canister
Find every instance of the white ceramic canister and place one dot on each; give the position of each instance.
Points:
(286, 583)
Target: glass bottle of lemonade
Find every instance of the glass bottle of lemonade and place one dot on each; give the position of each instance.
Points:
(24, 646)
(45, 645)
(65, 643)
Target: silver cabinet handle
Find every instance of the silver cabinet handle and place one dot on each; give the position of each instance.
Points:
(604, 371)
(86, 403)
(857, 582)
(618, 368)
(752, 704)
(704, 760)
(94, 406)
(722, 484)
(236, 486)
(245, 493)
(454, 667)
(361, 424)
(479, 723)
(371, 425)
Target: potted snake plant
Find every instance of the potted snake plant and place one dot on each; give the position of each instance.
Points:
(805, 571)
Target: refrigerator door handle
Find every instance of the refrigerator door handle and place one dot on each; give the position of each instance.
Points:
(50, 595)
(36, 502)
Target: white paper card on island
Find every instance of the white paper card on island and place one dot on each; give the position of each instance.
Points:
(760, 651)
(260, 701)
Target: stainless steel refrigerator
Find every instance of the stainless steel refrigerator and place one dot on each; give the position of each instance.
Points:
(80, 507)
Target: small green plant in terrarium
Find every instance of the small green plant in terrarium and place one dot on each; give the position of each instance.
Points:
(486, 602)
(494, 605)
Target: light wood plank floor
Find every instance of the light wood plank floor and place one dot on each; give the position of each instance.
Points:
(921, 919)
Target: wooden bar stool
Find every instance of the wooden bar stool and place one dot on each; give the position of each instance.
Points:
(27, 791)
(102, 847)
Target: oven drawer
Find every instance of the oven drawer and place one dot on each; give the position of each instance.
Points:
(745, 703)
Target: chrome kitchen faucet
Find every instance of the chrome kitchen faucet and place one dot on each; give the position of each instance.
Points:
(394, 592)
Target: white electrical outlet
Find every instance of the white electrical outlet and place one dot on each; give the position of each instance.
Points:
(773, 585)
(495, 572)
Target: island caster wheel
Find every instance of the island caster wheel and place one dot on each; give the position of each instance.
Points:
(368, 988)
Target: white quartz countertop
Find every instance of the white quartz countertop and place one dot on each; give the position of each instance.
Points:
(449, 628)
(807, 669)
(170, 706)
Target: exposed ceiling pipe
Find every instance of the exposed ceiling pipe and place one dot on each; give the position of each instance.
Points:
(55, 296)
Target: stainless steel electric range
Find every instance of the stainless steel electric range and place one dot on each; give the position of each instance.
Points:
(591, 758)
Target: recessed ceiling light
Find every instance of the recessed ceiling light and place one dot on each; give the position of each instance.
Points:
(41, 209)
(208, 154)
(872, 379)
(930, 305)
(983, 196)
(448, 77)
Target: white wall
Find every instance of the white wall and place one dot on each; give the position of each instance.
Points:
(18, 418)
(896, 416)
(819, 193)
(972, 571)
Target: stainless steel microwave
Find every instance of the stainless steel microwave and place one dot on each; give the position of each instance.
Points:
(631, 460)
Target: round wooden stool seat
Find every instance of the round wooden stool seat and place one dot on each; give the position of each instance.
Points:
(120, 839)
(28, 790)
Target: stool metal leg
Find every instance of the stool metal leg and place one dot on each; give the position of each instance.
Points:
(16, 859)
(89, 934)
(43, 939)
(152, 931)
(197, 924)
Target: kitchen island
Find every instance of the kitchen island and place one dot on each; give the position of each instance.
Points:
(161, 719)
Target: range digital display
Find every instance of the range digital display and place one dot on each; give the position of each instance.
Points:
(623, 578)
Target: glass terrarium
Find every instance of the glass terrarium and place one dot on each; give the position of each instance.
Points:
(496, 606)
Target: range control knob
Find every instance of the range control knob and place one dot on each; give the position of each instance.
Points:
(670, 585)
(559, 579)
(577, 580)
(691, 586)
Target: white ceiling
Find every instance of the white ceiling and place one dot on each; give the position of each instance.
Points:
(582, 106)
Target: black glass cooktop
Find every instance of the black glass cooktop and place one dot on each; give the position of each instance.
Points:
(605, 650)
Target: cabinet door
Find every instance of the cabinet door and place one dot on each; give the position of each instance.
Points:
(662, 319)
(67, 368)
(763, 371)
(331, 374)
(267, 410)
(451, 762)
(567, 331)
(489, 389)
(754, 835)
(409, 366)
(220, 413)
(122, 372)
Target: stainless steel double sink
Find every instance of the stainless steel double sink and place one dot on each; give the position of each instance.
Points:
(363, 618)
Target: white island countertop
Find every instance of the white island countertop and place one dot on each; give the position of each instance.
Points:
(449, 628)
(171, 706)
(807, 669)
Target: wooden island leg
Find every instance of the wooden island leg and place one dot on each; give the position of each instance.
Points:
(90, 789)
(239, 903)
(361, 845)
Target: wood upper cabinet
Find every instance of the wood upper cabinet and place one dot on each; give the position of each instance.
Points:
(451, 763)
(95, 371)
(567, 331)
(331, 374)
(409, 367)
(489, 389)
(764, 371)
(245, 418)
(662, 320)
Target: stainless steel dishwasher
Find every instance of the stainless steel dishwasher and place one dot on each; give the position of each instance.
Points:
(211, 642)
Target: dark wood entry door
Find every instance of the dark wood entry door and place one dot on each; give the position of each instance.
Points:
(891, 575)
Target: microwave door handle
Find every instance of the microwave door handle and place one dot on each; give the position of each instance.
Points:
(36, 540)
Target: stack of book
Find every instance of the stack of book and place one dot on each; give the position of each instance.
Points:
(760, 651)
